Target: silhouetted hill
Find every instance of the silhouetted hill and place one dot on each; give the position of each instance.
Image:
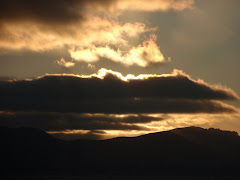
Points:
(191, 150)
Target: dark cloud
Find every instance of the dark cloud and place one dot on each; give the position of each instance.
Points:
(62, 121)
(65, 11)
(156, 94)
(111, 86)
(47, 11)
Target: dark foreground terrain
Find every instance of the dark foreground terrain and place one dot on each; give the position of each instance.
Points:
(190, 151)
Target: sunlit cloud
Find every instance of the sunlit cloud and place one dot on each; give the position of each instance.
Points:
(94, 30)
(154, 5)
(91, 66)
(142, 55)
(64, 63)
(79, 28)
(40, 27)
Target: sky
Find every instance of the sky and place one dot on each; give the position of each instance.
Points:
(101, 69)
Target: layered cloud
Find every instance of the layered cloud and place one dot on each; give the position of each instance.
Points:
(110, 92)
(102, 126)
(75, 125)
(73, 121)
(108, 104)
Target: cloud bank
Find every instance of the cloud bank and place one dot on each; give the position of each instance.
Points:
(110, 92)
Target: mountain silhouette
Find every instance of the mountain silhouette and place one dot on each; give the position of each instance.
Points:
(182, 151)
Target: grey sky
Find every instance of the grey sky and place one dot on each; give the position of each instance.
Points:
(203, 41)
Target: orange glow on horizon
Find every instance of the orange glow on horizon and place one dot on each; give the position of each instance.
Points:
(171, 122)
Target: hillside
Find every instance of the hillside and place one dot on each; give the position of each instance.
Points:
(191, 150)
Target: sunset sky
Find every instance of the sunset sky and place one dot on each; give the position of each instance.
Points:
(105, 68)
